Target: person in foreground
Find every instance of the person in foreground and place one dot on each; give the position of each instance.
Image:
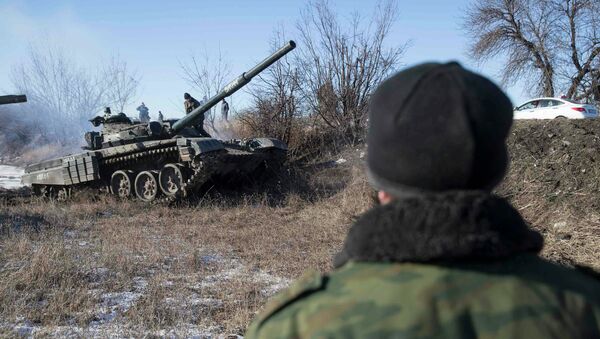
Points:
(441, 256)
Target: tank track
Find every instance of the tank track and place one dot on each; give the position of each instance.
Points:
(202, 167)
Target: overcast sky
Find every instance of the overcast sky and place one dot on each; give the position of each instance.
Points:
(155, 36)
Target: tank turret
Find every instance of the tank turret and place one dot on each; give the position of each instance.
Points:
(12, 99)
(118, 129)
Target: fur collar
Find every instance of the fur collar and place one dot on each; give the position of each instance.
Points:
(446, 227)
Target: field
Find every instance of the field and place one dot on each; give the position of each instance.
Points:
(96, 266)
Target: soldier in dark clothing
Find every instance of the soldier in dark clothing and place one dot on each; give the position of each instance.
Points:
(191, 104)
(144, 115)
(107, 113)
(224, 109)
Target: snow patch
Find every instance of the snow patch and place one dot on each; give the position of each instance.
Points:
(140, 283)
(205, 302)
(114, 303)
(109, 322)
(195, 332)
(24, 329)
(274, 283)
(237, 271)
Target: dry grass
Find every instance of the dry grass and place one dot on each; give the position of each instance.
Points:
(120, 267)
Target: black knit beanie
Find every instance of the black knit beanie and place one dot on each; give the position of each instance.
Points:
(437, 127)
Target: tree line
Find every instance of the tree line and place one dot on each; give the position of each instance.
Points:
(319, 94)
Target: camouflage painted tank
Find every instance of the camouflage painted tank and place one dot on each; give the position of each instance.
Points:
(161, 158)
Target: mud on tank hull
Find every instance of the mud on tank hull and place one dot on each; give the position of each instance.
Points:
(160, 169)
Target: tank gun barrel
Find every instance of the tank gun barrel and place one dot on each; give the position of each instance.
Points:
(12, 99)
(232, 87)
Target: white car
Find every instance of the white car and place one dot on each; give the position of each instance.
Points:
(552, 108)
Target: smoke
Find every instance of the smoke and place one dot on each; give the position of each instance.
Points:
(225, 130)
(62, 96)
(27, 135)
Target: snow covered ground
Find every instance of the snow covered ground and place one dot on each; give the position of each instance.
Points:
(109, 319)
(10, 176)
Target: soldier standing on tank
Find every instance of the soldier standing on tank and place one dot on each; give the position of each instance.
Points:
(224, 109)
(191, 104)
(160, 116)
(144, 115)
(107, 113)
(441, 256)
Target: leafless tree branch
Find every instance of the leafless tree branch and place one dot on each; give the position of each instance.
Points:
(207, 74)
(340, 64)
(551, 44)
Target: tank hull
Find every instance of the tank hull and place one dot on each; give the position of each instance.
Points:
(183, 164)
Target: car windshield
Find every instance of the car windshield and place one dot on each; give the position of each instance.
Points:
(571, 101)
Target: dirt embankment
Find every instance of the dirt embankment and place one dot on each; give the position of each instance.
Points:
(554, 180)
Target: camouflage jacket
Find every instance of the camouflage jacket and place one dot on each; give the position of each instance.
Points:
(463, 265)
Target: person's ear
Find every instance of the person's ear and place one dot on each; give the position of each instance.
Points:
(384, 197)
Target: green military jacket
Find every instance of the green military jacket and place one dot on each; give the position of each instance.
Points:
(426, 282)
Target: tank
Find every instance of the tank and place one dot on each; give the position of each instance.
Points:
(12, 99)
(161, 159)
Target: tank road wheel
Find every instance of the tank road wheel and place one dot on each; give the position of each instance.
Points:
(38, 190)
(43, 191)
(121, 184)
(63, 194)
(146, 185)
(171, 179)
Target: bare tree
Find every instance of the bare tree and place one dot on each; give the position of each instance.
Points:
(208, 75)
(582, 25)
(551, 44)
(63, 95)
(121, 83)
(342, 63)
(275, 98)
